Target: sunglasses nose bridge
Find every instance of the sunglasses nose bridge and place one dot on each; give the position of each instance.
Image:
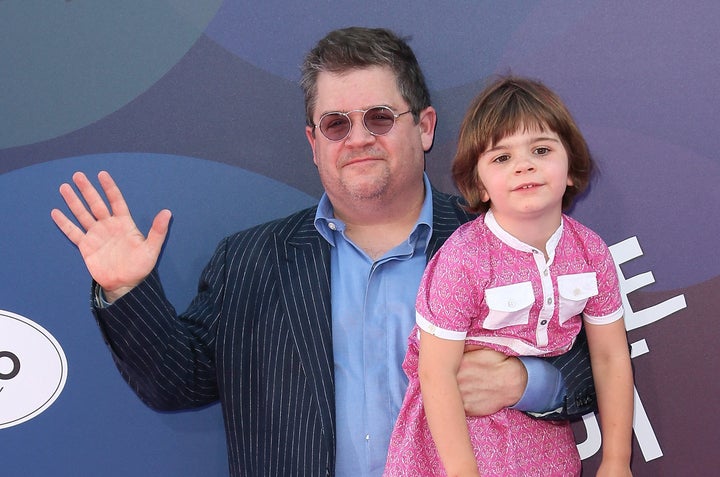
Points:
(363, 120)
(351, 123)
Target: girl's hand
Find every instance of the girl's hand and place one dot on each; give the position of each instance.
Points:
(613, 469)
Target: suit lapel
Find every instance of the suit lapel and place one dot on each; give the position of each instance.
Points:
(447, 217)
(304, 268)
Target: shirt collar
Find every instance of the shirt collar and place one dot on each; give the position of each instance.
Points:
(326, 223)
(518, 244)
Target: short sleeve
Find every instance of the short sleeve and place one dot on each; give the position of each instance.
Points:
(448, 297)
(606, 306)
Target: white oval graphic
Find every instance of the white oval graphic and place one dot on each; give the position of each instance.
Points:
(33, 369)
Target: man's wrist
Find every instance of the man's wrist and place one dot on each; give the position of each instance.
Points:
(514, 389)
(103, 298)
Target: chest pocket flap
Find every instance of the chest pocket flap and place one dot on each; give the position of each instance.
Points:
(508, 305)
(574, 291)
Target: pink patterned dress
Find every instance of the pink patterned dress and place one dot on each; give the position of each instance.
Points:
(486, 287)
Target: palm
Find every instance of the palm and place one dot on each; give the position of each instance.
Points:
(117, 255)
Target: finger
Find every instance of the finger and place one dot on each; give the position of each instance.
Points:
(77, 206)
(113, 194)
(158, 230)
(92, 197)
(66, 226)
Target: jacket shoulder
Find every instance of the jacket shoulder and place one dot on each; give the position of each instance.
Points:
(300, 222)
(450, 207)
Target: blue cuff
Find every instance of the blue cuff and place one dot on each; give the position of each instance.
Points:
(99, 297)
(545, 390)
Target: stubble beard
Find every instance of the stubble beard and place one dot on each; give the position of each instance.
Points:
(370, 185)
(368, 189)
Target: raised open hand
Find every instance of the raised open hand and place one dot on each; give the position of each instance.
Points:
(117, 255)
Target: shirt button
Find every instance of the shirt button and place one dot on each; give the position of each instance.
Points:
(545, 272)
(332, 226)
(543, 322)
(577, 291)
(549, 301)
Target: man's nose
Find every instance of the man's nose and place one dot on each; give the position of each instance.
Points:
(358, 133)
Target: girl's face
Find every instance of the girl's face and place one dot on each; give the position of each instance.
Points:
(524, 176)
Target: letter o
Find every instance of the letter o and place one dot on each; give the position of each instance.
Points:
(16, 365)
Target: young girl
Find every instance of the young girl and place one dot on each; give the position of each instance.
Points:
(517, 279)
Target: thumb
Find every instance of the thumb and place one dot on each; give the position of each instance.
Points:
(158, 230)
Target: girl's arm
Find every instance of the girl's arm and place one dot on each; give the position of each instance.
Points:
(439, 361)
(613, 377)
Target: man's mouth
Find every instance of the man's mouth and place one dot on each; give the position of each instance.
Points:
(360, 160)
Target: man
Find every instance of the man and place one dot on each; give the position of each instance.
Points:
(299, 327)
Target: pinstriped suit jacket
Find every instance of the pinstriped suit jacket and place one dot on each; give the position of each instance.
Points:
(257, 337)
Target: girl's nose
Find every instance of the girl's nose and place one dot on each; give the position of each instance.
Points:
(525, 164)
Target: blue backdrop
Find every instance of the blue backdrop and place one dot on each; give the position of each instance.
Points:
(195, 106)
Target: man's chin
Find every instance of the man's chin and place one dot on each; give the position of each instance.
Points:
(367, 190)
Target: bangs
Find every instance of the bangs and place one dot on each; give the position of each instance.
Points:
(513, 105)
(516, 111)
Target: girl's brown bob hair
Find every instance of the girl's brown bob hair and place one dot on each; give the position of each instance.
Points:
(508, 105)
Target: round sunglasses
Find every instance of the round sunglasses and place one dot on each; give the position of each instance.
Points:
(378, 121)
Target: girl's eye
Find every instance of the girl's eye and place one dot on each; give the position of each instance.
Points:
(542, 150)
(501, 159)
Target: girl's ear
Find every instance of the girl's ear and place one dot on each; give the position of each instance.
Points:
(484, 196)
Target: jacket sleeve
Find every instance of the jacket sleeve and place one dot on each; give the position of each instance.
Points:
(166, 358)
(580, 397)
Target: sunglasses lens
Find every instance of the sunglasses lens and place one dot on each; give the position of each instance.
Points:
(335, 126)
(379, 120)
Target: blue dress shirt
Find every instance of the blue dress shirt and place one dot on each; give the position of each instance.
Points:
(373, 306)
(373, 313)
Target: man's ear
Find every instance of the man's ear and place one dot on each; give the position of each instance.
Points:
(310, 135)
(427, 123)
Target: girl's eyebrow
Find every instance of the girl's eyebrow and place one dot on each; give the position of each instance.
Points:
(532, 140)
(545, 138)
